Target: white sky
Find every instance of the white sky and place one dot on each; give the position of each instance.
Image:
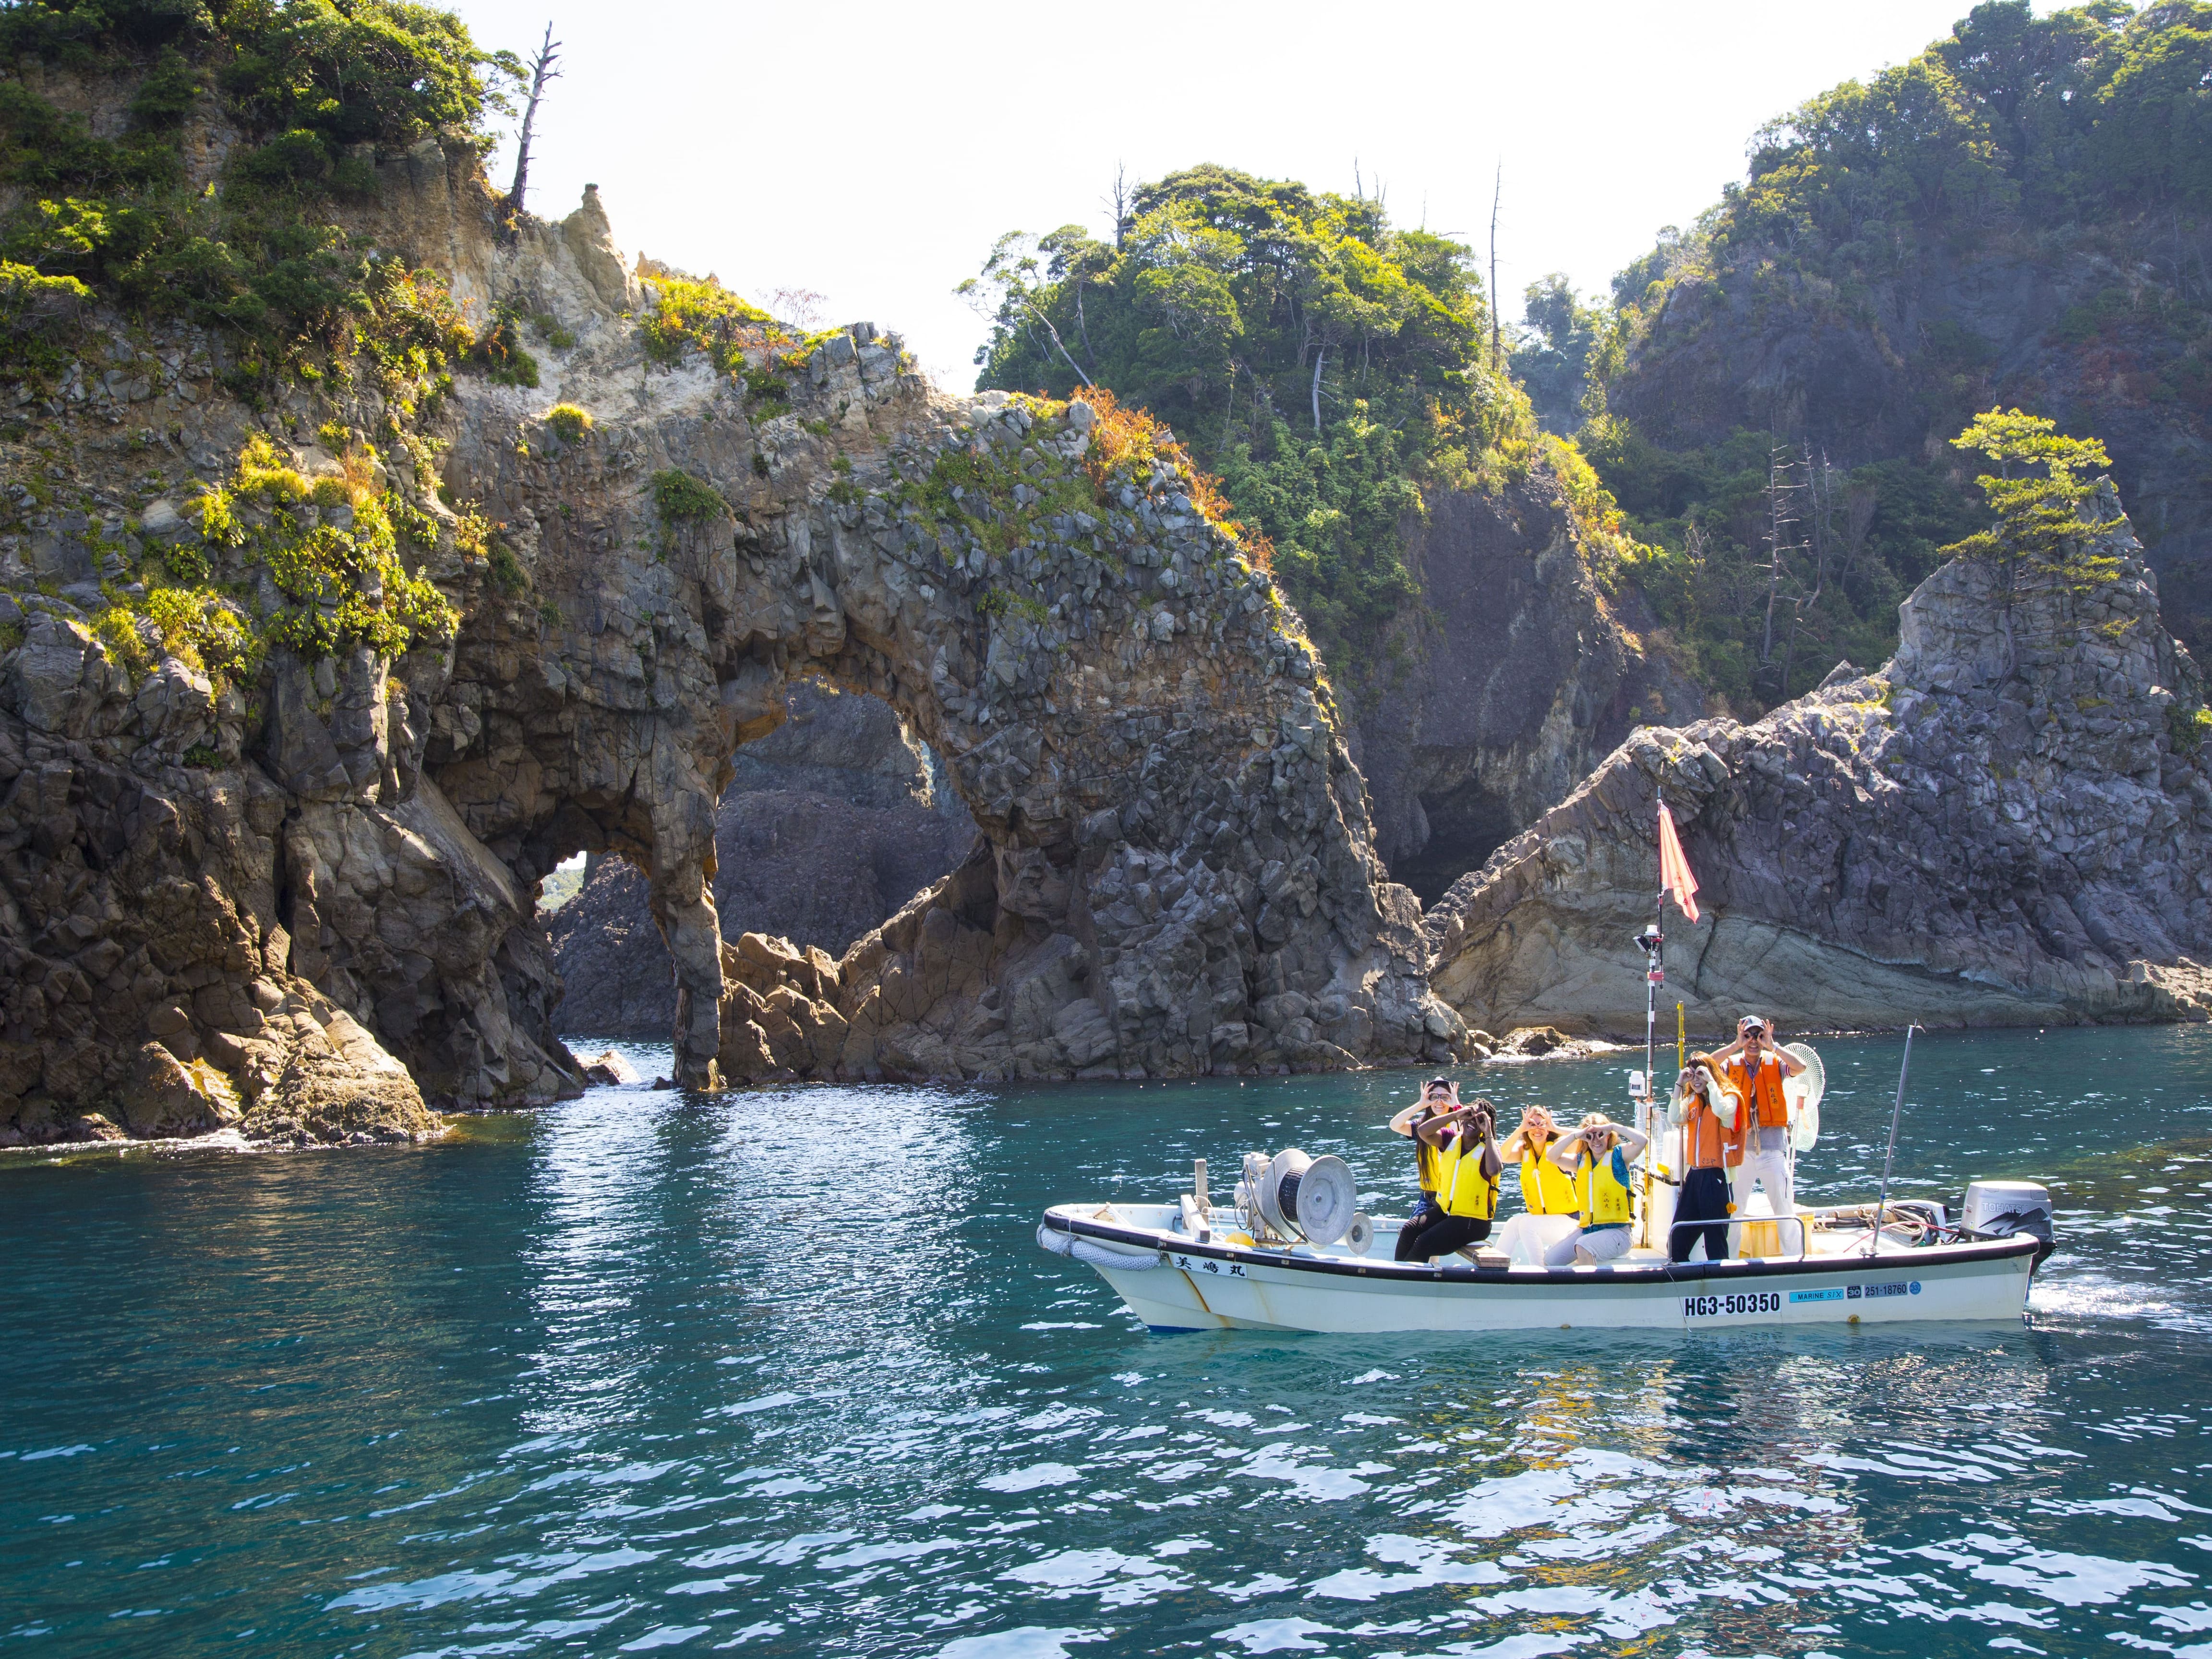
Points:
(874, 153)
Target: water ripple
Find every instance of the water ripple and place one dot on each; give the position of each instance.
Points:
(783, 1373)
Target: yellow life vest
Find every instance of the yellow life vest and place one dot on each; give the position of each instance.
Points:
(1549, 1191)
(1429, 1161)
(1462, 1189)
(1603, 1200)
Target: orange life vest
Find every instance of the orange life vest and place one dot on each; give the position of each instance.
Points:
(1704, 1141)
(1763, 1089)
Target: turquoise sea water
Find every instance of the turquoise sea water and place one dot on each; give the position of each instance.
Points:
(785, 1373)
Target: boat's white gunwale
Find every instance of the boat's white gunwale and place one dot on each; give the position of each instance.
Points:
(1605, 1275)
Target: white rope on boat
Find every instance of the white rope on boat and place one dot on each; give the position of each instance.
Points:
(1097, 1252)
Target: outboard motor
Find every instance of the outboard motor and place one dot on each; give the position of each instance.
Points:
(1998, 1209)
(1301, 1197)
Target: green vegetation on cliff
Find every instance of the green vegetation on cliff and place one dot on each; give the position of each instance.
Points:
(1326, 364)
(331, 549)
(256, 253)
(2021, 215)
(252, 265)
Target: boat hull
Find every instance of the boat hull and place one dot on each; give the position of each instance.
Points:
(1211, 1287)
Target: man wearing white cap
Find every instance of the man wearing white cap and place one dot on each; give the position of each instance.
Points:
(1760, 1147)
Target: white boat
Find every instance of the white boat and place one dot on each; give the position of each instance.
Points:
(1291, 1255)
(1179, 1268)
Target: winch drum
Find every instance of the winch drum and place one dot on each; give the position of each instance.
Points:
(1312, 1198)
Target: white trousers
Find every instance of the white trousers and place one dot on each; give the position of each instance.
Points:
(1769, 1170)
(1605, 1244)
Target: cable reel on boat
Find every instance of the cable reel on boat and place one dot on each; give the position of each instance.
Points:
(1296, 1196)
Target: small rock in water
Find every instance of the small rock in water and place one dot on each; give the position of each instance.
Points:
(1532, 1041)
(610, 1070)
(662, 1083)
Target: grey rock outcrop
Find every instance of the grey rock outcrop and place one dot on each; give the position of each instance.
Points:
(140, 915)
(1984, 832)
(1522, 676)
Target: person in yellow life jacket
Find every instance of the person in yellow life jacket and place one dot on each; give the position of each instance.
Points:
(1546, 1190)
(1759, 1152)
(1597, 1155)
(1439, 1094)
(1706, 1107)
(1459, 1211)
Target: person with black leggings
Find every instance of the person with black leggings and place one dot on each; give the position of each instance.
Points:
(1704, 1197)
(1458, 1213)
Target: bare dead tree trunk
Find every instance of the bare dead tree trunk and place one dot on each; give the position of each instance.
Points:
(1083, 376)
(1779, 517)
(1320, 357)
(1819, 481)
(1496, 189)
(541, 71)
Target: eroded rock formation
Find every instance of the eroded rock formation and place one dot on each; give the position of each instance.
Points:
(1524, 674)
(1983, 832)
(832, 822)
(322, 880)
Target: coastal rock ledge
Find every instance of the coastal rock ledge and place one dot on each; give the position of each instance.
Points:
(1999, 827)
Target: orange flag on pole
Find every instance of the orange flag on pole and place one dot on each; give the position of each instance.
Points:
(1674, 875)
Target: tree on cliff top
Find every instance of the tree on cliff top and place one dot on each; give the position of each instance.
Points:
(1324, 362)
(259, 257)
(2039, 531)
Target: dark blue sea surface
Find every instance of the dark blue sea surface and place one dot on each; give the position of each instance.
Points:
(784, 1372)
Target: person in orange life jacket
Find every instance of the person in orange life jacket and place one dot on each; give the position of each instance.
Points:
(1546, 1190)
(1755, 1068)
(1596, 1155)
(1705, 1105)
(1458, 1213)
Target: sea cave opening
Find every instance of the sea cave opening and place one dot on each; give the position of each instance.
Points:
(830, 825)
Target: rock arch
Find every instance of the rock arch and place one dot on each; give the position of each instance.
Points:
(1180, 874)
(321, 884)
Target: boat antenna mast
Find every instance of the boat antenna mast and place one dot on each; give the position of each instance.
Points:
(1653, 942)
(1676, 877)
(1896, 1111)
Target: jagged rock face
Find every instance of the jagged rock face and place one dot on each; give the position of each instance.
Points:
(328, 884)
(1977, 834)
(258, 881)
(1523, 677)
(832, 822)
(138, 912)
(1176, 838)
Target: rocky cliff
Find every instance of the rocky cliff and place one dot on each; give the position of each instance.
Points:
(1982, 832)
(1523, 673)
(832, 822)
(493, 640)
